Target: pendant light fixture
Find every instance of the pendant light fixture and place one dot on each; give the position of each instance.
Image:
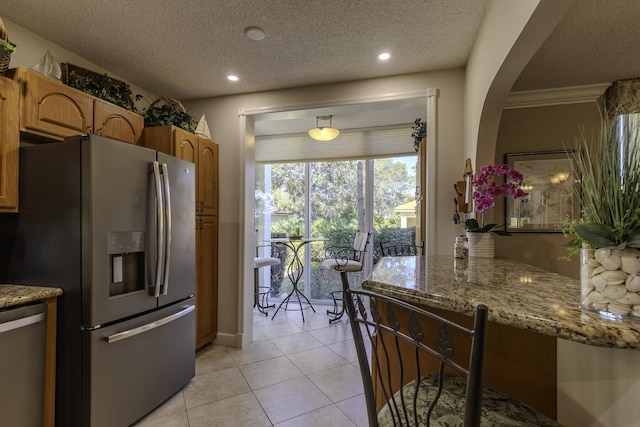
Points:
(322, 133)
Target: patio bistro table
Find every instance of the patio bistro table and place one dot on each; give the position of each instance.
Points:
(295, 270)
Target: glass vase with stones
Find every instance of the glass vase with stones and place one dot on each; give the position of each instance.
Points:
(610, 280)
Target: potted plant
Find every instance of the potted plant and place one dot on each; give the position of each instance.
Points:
(6, 48)
(168, 111)
(419, 132)
(607, 235)
(485, 191)
(101, 86)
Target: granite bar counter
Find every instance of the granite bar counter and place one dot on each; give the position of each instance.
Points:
(14, 295)
(542, 348)
(517, 294)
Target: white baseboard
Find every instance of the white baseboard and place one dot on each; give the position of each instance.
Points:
(227, 340)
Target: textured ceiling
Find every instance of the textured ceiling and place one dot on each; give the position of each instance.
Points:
(185, 49)
(596, 42)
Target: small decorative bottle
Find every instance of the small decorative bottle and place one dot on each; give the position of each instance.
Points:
(461, 248)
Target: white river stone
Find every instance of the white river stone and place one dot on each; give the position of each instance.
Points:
(587, 271)
(594, 297)
(630, 264)
(599, 282)
(619, 308)
(601, 254)
(633, 283)
(615, 291)
(612, 262)
(631, 298)
(593, 263)
(614, 276)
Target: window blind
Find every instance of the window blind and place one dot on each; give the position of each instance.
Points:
(384, 141)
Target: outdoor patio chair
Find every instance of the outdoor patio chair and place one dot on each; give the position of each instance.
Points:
(345, 259)
(400, 249)
(261, 293)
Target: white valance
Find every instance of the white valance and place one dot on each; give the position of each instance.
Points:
(384, 141)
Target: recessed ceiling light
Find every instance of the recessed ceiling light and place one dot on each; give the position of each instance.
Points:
(232, 78)
(384, 56)
(254, 33)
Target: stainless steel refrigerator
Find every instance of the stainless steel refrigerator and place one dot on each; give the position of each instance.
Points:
(113, 225)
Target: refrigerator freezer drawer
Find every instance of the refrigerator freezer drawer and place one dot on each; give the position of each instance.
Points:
(134, 366)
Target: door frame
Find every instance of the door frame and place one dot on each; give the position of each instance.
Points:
(246, 122)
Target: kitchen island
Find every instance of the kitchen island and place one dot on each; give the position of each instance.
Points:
(17, 295)
(535, 321)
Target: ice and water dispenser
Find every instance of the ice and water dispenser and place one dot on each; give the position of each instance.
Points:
(127, 262)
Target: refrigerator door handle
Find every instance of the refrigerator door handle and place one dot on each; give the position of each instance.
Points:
(149, 326)
(167, 210)
(160, 237)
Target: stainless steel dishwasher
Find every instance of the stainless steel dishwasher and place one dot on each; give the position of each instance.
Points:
(22, 360)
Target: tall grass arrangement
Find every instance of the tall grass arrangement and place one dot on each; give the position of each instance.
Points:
(609, 169)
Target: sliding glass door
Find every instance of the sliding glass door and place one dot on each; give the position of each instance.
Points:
(333, 200)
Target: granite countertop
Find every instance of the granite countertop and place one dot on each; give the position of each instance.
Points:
(516, 294)
(12, 295)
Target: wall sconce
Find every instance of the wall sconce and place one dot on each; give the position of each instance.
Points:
(321, 133)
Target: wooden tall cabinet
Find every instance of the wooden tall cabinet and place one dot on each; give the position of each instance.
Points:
(204, 153)
(9, 145)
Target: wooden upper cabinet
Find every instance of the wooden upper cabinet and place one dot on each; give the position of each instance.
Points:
(188, 146)
(208, 165)
(51, 108)
(9, 145)
(185, 146)
(118, 123)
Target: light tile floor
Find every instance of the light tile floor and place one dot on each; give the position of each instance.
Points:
(294, 374)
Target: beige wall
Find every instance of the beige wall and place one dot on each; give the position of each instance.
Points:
(510, 34)
(541, 129)
(30, 48)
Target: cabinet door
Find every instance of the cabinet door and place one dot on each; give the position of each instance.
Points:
(207, 187)
(53, 109)
(206, 279)
(9, 145)
(185, 146)
(118, 123)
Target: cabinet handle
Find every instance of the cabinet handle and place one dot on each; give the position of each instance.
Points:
(89, 129)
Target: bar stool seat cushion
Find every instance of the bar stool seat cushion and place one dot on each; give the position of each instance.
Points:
(342, 264)
(498, 409)
(259, 262)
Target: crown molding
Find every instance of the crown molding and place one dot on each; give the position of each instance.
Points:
(560, 96)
